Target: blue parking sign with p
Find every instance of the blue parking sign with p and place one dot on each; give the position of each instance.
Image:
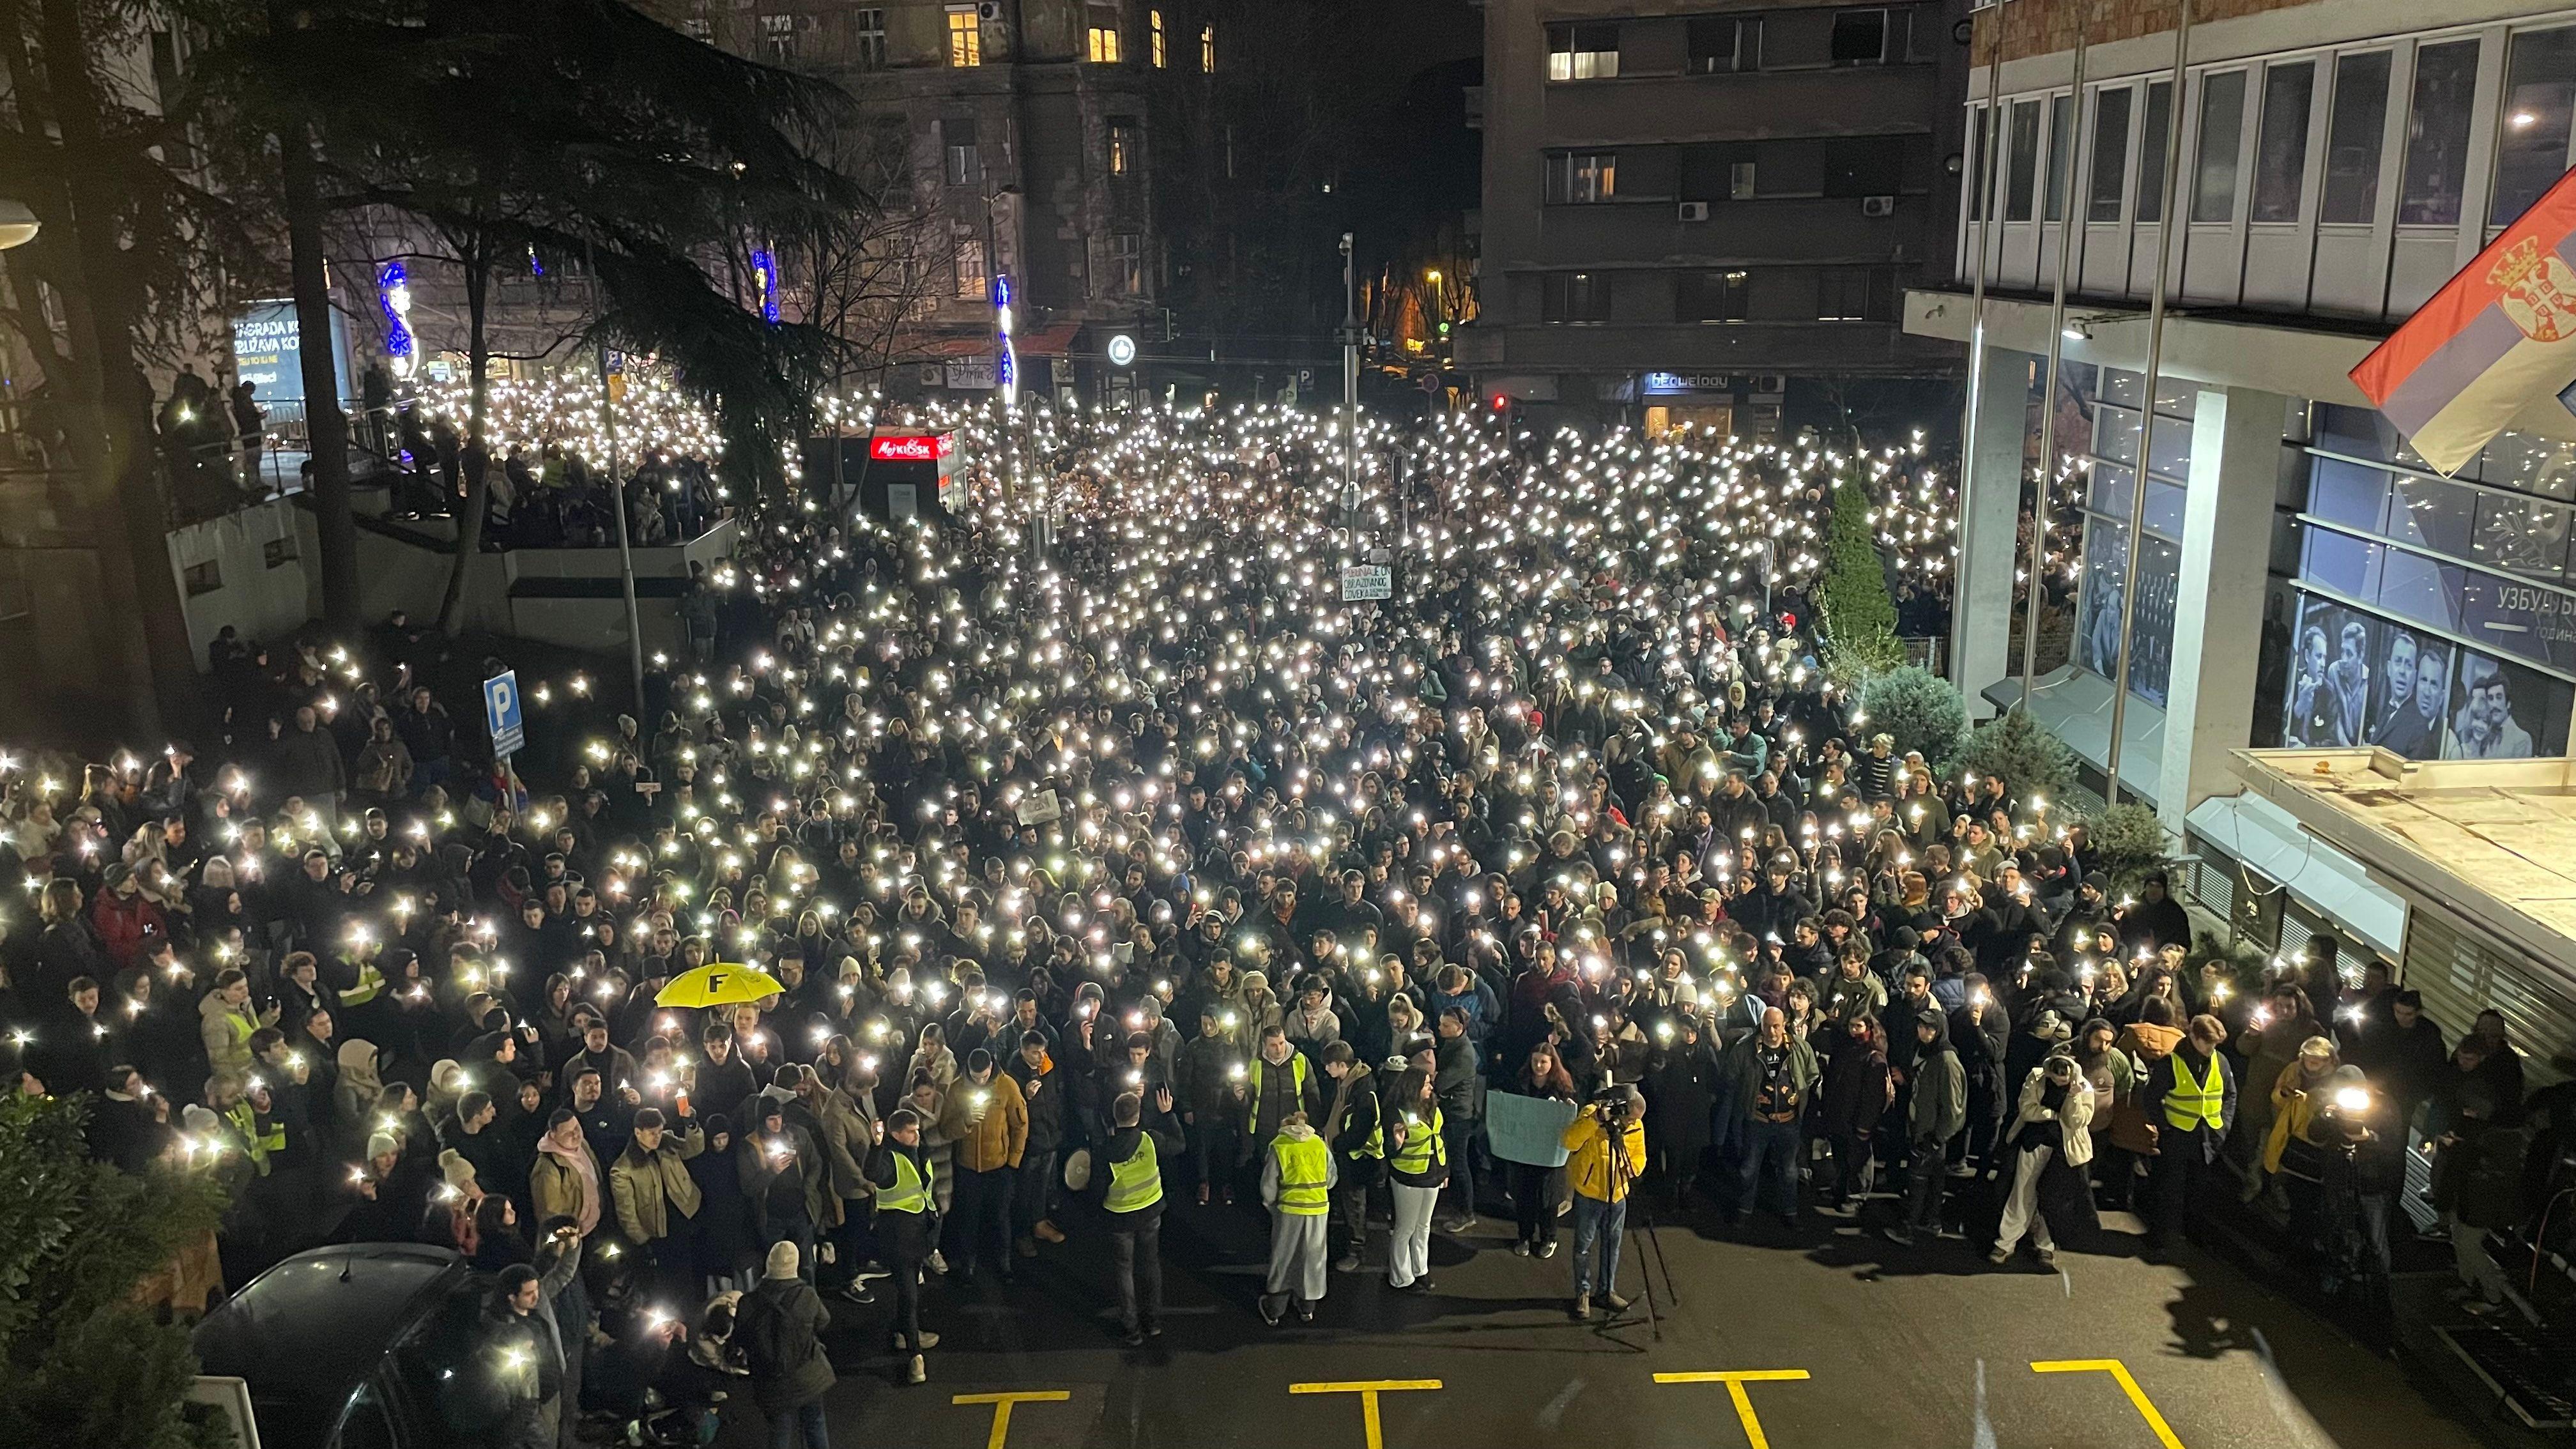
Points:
(501, 713)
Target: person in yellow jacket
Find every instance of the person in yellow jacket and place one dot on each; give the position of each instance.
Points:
(1606, 1143)
(1297, 1183)
(987, 1122)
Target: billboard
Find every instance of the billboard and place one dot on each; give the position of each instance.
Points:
(267, 354)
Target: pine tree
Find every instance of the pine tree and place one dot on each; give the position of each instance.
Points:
(1857, 614)
(83, 1365)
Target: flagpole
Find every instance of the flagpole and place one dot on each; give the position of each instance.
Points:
(2169, 224)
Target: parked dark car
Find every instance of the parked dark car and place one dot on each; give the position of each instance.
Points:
(368, 1346)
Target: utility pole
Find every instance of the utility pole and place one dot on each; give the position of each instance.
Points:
(617, 494)
(1350, 367)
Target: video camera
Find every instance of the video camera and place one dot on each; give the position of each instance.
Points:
(1615, 1104)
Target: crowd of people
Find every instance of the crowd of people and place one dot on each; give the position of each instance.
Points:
(1153, 879)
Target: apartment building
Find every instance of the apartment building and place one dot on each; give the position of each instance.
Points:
(1698, 212)
(2338, 662)
(1027, 137)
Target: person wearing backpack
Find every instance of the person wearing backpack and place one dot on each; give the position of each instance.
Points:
(777, 1325)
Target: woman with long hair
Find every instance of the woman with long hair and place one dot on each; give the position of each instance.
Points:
(1417, 1164)
(1857, 1093)
(1538, 1191)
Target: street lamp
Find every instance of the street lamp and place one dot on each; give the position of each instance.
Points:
(17, 224)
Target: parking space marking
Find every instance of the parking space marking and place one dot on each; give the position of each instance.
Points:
(1004, 1403)
(1368, 1390)
(2128, 1384)
(1735, 1380)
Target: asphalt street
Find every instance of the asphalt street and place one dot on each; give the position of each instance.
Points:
(1831, 1336)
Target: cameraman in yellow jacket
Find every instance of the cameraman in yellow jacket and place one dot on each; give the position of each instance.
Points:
(1601, 1182)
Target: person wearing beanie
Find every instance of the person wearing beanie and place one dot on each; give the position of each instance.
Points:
(1297, 1180)
(458, 1173)
(779, 1326)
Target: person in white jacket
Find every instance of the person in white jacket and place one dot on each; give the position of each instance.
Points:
(2053, 1123)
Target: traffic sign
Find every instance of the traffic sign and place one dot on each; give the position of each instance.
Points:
(501, 714)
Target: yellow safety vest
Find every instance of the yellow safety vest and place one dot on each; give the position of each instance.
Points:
(256, 1144)
(1296, 1065)
(1137, 1183)
(1423, 1146)
(911, 1190)
(2196, 1104)
(1305, 1165)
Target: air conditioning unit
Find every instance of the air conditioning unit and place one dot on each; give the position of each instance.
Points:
(1769, 386)
(1694, 211)
(1878, 206)
(989, 10)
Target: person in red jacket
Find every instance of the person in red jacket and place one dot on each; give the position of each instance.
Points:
(125, 920)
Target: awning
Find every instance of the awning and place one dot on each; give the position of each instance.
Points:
(2270, 840)
(1055, 340)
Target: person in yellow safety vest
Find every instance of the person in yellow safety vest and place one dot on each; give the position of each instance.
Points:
(1131, 1164)
(1418, 1164)
(1297, 1184)
(243, 1106)
(2195, 1089)
(1277, 1082)
(906, 1227)
(226, 1020)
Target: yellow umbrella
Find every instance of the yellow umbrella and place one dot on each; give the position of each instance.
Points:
(718, 984)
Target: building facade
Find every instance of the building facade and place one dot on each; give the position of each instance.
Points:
(1015, 138)
(1692, 211)
(2255, 558)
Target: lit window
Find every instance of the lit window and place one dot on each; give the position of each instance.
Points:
(965, 37)
(973, 282)
(1126, 150)
(1207, 49)
(1582, 52)
(1579, 177)
(1154, 24)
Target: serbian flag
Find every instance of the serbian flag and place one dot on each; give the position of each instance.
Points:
(2496, 336)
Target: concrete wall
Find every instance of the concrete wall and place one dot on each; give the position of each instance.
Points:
(265, 600)
(257, 561)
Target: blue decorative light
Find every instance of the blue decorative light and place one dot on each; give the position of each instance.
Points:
(393, 294)
(536, 268)
(765, 267)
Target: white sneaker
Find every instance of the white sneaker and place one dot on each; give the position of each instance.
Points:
(938, 1262)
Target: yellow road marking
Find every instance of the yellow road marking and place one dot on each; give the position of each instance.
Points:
(1002, 1405)
(2128, 1385)
(1368, 1390)
(1735, 1380)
